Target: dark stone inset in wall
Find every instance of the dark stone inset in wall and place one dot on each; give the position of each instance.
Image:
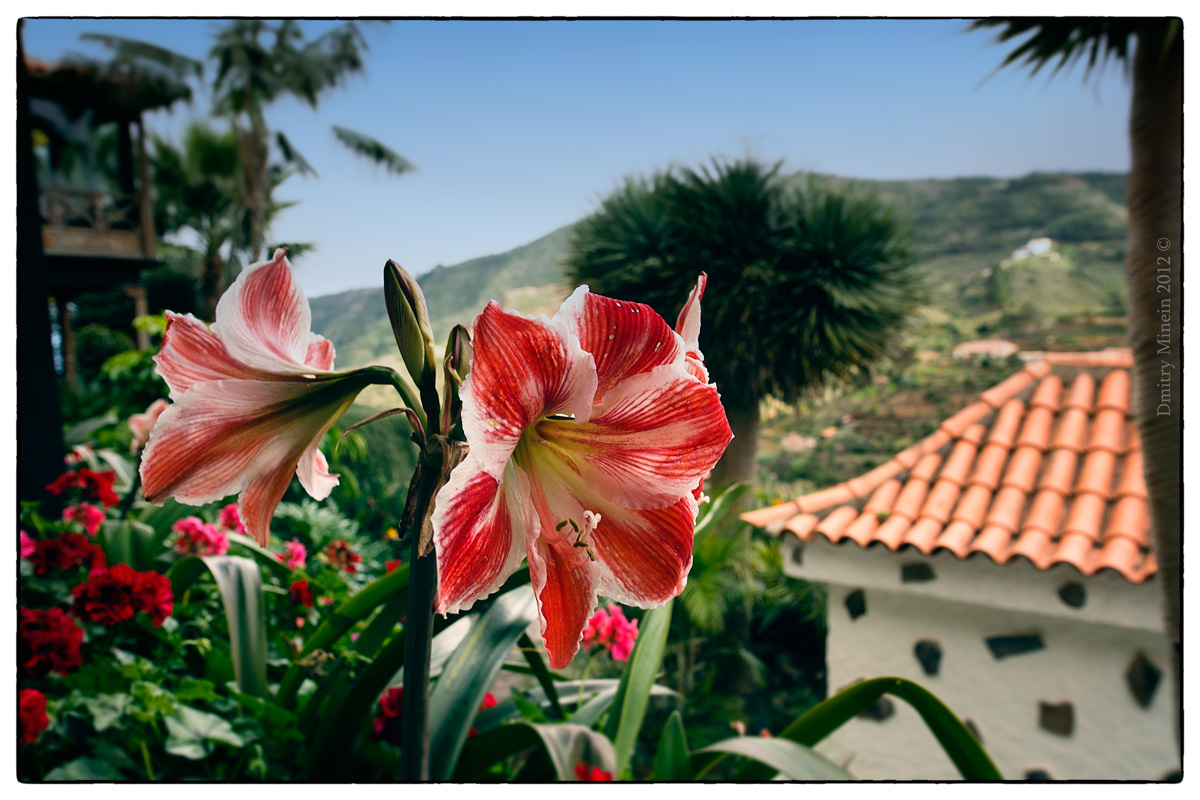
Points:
(798, 555)
(880, 710)
(1037, 775)
(1056, 717)
(929, 654)
(856, 603)
(1073, 594)
(1005, 646)
(973, 728)
(1143, 678)
(919, 572)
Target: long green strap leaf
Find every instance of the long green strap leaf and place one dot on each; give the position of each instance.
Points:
(955, 738)
(541, 671)
(468, 674)
(240, 584)
(794, 761)
(672, 761)
(633, 693)
(720, 508)
(341, 620)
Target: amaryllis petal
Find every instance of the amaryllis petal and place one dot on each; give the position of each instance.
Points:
(532, 368)
(191, 354)
(688, 328)
(223, 436)
(253, 397)
(624, 338)
(320, 353)
(263, 318)
(645, 444)
(564, 585)
(479, 528)
(644, 556)
(589, 434)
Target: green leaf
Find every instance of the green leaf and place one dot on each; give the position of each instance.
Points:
(191, 733)
(344, 617)
(468, 674)
(569, 745)
(262, 555)
(531, 711)
(194, 689)
(824, 718)
(85, 769)
(107, 709)
(533, 656)
(82, 433)
(373, 150)
(720, 508)
(240, 584)
(794, 761)
(673, 762)
(129, 542)
(637, 680)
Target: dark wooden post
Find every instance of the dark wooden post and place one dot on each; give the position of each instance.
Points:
(39, 420)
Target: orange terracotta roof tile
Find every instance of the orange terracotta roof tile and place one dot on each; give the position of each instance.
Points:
(1047, 393)
(1045, 466)
(803, 525)
(1096, 476)
(1007, 388)
(1114, 391)
(1108, 431)
(1035, 432)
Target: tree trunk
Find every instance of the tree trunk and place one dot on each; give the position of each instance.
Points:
(212, 284)
(252, 147)
(740, 462)
(1153, 270)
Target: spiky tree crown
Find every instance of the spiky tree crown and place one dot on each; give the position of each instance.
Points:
(805, 281)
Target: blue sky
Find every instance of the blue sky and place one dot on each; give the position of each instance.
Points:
(518, 128)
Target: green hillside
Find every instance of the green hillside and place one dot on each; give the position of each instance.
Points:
(966, 230)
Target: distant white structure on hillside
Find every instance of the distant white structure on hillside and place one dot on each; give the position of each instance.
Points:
(1034, 247)
(985, 348)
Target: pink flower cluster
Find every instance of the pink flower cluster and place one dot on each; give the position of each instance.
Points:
(294, 554)
(608, 628)
(87, 515)
(195, 537)
(228, 519)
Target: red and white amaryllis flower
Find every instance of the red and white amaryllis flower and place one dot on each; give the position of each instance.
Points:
(587, 433)
(251, 399)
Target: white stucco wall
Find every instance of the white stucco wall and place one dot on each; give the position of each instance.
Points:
(1084, 662)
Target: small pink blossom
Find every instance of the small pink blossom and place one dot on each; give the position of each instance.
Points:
(294, 554)
(28, 545)
(228, 519)
(609, 629)
(87, 515)
(140, 425)
(195, 537)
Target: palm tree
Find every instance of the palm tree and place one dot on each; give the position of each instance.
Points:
(196, 189)
(1153, 259)
(251, 75)
(806, 282)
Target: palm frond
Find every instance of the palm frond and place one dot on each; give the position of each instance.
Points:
(373, 150)
(1063, 41)
(293, 156)
(123, 47)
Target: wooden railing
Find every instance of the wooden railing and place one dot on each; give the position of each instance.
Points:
(82, 222)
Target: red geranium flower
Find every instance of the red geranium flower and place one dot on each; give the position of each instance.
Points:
(98, 485)
(87, 515)
(386, 727)
(67, 551)
(111, 596)
(300, 593)
(341, 556)
(390, 566)
(594, 774)
(33, 715)
(49, 640)
(489, 701)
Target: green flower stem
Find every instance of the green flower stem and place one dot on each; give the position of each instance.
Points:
(146, 760)
(418, 631)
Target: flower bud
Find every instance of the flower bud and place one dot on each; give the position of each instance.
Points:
(410, 322)
(454, 369)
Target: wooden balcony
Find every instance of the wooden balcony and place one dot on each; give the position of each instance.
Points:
(78, 222)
